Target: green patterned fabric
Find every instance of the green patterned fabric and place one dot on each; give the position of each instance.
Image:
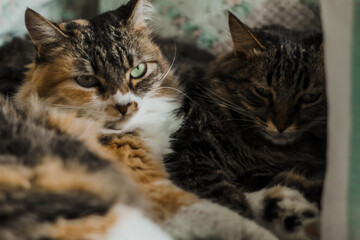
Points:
(12, 13)
(200, 21)
(205, 21)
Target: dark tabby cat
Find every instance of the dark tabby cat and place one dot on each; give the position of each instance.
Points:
(14, 56)
(58, 182)
(258, 119)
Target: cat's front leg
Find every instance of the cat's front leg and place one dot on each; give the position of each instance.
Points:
(207, 220)
(285, 212)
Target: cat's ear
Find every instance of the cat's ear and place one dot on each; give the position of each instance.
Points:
(42, 31)
(244, 40)
(139, 12)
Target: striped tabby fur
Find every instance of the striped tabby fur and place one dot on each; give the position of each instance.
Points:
(82, 153)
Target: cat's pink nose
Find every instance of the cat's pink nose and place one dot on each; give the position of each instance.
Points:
(122, 108)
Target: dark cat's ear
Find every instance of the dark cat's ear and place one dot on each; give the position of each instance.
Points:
(139, 12)
(41, 31)
(244, 40)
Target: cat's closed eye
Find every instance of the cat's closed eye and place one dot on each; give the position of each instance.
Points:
(310, 98)
(87, 81)
(263, 92)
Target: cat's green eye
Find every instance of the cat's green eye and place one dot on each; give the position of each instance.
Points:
(139, 71)
(87, 81)
(310, 98)
(263, 92)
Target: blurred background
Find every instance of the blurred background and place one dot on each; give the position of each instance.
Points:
(200, 21)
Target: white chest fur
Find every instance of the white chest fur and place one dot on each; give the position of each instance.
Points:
(157, 120)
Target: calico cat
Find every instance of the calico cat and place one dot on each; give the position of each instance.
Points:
(56, 182)
(255, 121)
(105, 78)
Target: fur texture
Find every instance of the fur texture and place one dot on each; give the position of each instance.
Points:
(256, 120)
(89, 77)
(14, 56)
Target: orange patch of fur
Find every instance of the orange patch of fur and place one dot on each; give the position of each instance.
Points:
(270, 126)
(111, 111)
(15, 176)
(132, 157)
(165, 198)
(132, 151)
(275, 192)
(42, 79)
(83, 228)
(51, 83)
(77, 95)
(75, 177)
(82, 22)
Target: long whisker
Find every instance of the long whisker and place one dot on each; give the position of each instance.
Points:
(171, 65)
(177, 90)
(226, 103)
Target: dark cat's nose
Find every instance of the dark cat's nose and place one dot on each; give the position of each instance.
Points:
(291, 222)
(281, 127)
(122, 108)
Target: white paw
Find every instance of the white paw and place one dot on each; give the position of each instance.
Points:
(206, 220)
(286, 213)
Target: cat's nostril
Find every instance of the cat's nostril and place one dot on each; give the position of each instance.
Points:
(291, 222)
(122, 108)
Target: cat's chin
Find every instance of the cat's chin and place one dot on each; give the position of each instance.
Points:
(117, 123)
(280, 139)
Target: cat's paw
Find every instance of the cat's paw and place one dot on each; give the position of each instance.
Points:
(286, 213)
(207, 220)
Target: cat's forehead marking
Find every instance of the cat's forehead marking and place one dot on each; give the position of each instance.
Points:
(74, 23)
(82, 22)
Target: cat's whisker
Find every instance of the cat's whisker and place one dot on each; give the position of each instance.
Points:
(223, 99)
(177, 90)
(229, 106)
(240, 120)
(171, 65)
(79, 110)
(232, 107)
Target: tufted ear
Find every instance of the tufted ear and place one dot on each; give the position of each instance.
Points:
(244, 40)
(41, 31)
(139, 12)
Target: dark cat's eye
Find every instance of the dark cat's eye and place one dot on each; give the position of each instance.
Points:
(263, 92)
(139, 71)
(87, 81)
(310, 98)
